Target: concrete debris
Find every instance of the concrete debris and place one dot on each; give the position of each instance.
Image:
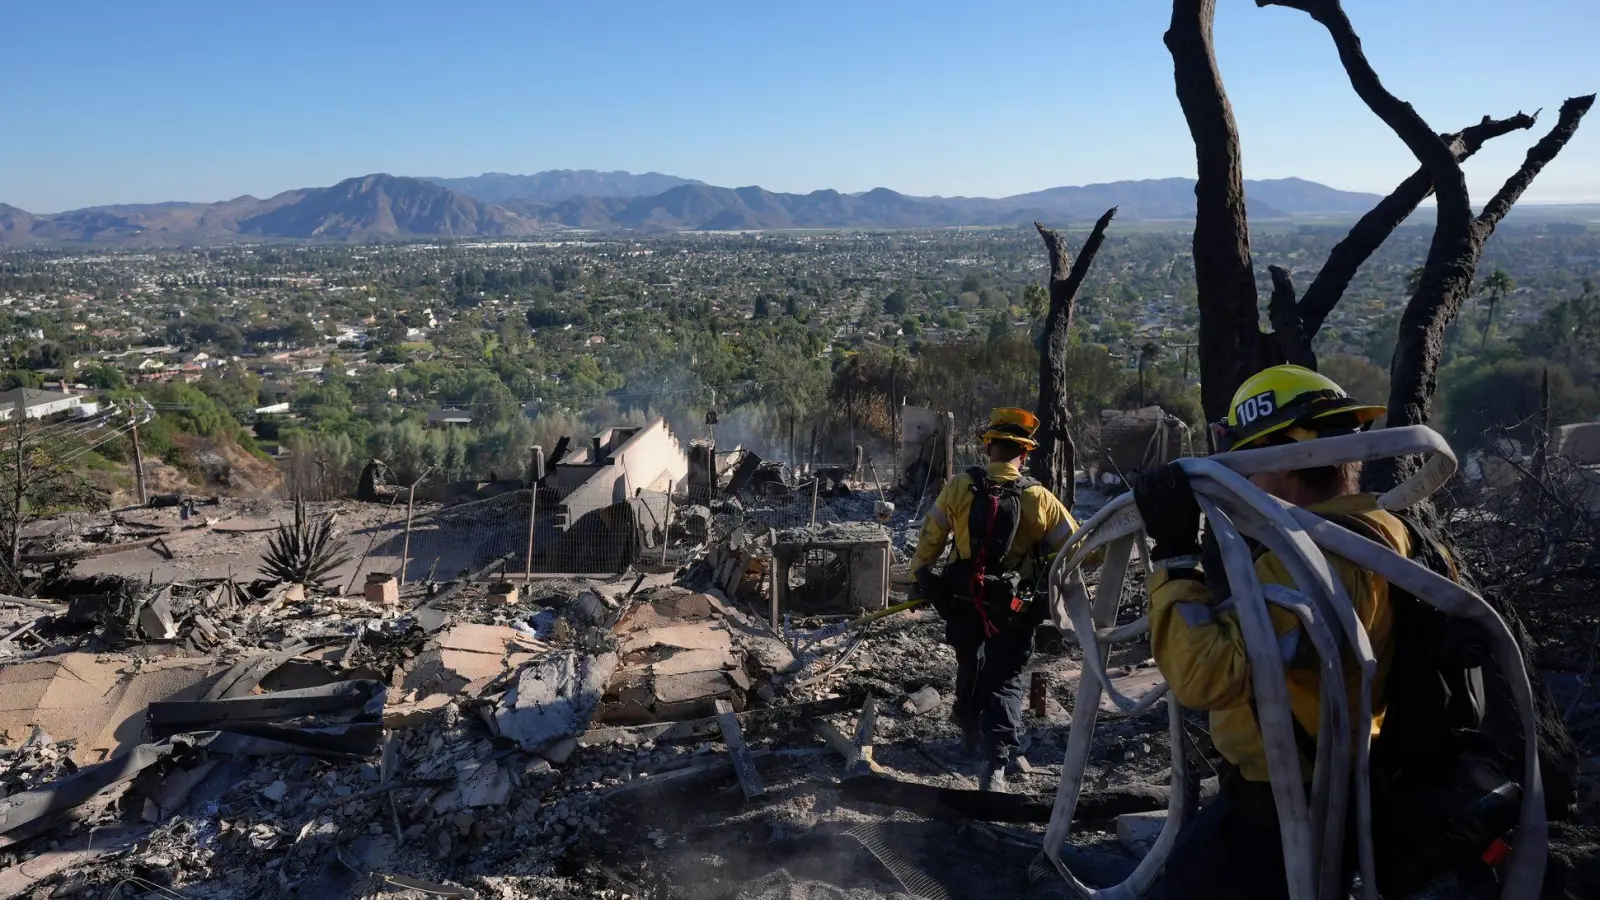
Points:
(553, 699)
(381, 587)
(398, 716)
(563, 738)
(925, 700)
(467, 657)
(479, 783)
(679, 637)
(1138, 831)
(96, 702)
(275, 791)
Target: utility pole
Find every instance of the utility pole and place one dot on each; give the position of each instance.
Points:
(138, 462)
(535, 476)
(405, 552)
(20, 415)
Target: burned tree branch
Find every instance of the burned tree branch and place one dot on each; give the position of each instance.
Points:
(1434, 154)
(1055, 460)
(1447, 280)
(1539, 155)
(1284, 313)
(1375, 227)
(1225, 281)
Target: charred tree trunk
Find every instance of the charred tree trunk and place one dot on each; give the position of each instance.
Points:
(1231, 344)
(1055, 462)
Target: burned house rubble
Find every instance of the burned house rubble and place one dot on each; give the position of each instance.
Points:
(705, 719)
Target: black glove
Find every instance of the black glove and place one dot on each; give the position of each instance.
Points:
(1211, 563)
(1170, 512)
(930, 587)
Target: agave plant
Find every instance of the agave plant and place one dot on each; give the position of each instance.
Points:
(304, 553)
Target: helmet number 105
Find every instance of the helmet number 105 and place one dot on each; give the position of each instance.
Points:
(1262, 404)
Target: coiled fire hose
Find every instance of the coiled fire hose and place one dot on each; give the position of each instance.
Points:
(1312, 829)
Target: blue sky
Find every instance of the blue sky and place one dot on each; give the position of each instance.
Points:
(117, 102)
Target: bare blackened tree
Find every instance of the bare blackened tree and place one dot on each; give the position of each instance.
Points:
(1459, 235)
(1056, 459)
(1231, 343)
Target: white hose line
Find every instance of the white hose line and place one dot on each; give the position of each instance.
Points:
(1525, 871)
(1273, 714)
(1299, 538)
(1267, 522)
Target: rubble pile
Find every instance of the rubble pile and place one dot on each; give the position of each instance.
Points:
(676, 734)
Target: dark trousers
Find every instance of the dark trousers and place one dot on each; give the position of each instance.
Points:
(1233, 851)
(989, 672)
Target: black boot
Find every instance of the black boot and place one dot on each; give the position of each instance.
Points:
(971, 743)
(992, 776)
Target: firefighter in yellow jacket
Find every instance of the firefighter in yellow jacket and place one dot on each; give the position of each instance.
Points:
(1233, 848)
(1005, 525)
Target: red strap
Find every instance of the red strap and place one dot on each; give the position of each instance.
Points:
(1497, 852)
(980, 562)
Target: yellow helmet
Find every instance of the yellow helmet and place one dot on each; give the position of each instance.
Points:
(1008, 423)
(1290, 403)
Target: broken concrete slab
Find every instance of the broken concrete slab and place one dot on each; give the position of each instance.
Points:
(479, 783)
(466, 654)
(1138, 831)
(685, 605)
(399, 716)
(692, 686)
(155, 618)
(769, 656)
(703, 636)
(553, 698)
(687, 661)
(97, 700)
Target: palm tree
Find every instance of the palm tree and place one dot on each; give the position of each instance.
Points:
(1497, 285)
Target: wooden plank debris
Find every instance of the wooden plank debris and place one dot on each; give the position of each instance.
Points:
(749, 779)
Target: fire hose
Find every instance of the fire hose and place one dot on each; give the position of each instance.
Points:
(799, 641)
(1312, 828)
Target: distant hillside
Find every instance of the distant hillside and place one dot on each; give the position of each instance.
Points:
(1161, 198)
(369, 208)
(379, 207)
(388, 207)
(700, 207)
(16, 225)
(560, 184)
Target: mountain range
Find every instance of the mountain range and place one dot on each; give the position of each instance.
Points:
(390, 207)
(560, 184)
